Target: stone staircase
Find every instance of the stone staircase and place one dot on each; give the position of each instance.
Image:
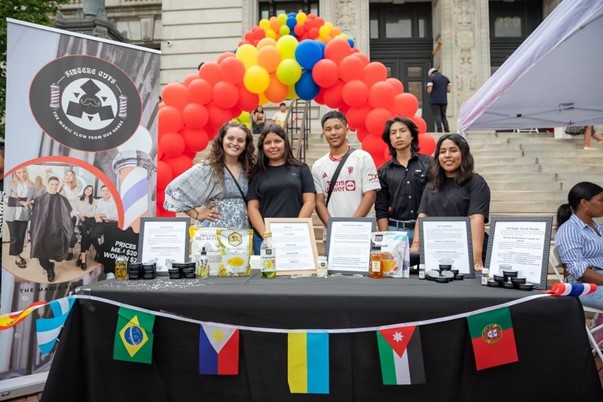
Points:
(528, 174)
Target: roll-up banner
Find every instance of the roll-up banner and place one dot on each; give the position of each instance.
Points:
(80, 163)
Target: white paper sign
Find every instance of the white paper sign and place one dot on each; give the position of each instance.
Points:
(350, 245)
(293, 246)
(446, 242)
(164, 241)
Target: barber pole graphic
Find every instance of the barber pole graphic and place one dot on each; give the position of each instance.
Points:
(55, 96)
(134, 170)
(123, 106)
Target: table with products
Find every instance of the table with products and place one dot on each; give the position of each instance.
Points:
(555, 362)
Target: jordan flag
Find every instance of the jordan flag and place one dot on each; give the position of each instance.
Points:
(218, 350)
(401, 355)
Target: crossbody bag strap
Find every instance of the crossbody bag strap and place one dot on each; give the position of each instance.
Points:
(236, 182)
(336, 174)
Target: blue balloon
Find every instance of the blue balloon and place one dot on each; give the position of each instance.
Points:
(291, 23)
(307, 53)
(291, 15)
(351, 42)
(306, 88)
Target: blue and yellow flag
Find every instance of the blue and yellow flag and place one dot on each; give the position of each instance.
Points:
(134, 336)
(308, 363)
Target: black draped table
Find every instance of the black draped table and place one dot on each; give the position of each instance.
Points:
(555, 362)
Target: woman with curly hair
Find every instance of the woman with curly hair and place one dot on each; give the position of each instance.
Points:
(453, 189)
(213, 191)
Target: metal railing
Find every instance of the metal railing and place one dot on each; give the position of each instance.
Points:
(298, 127)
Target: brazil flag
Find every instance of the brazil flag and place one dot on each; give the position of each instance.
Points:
(134, 336)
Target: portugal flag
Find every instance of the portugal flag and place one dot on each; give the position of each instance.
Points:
(493, 339)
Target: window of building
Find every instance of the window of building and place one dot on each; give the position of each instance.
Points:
(408, 21)
(269, 8)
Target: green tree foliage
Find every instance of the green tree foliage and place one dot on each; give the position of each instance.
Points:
(36, 11)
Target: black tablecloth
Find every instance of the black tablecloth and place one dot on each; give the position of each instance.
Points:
(555, 362)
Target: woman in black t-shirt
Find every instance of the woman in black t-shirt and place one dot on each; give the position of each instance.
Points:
(453, 189)
(281, 186)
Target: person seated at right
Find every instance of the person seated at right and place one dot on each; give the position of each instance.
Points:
(454, 189)
(578, 239)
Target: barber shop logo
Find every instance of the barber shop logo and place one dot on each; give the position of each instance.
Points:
(85, 103)
(492, 333)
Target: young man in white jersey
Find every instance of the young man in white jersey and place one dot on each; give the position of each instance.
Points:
(355, 189)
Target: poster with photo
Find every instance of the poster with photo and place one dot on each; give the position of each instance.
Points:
(80, 163)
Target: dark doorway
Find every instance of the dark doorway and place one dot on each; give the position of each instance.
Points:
(401, 39)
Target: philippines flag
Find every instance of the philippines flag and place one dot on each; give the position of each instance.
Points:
(218, 350)
(48, 329)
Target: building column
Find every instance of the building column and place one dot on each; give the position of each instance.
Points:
(461, 33)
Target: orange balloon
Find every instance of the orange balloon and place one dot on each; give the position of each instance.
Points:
(269, 58)
(276, 91)
(266, 42)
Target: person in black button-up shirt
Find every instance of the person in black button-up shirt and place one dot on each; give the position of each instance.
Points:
(402, 179)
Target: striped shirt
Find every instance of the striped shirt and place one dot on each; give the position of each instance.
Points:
(579, 246)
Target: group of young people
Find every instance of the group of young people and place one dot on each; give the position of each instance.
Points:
(234, 189)
(51, 212)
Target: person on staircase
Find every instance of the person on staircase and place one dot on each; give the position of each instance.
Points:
(403, 178)
(353, 191)
(454, 189)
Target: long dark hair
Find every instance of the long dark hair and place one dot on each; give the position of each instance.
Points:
(262, 162)
(584, 190)
(437, 175)
(91, 198)
(216, 158)
(412, 127)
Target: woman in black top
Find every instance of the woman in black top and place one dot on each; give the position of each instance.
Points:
(453, 189)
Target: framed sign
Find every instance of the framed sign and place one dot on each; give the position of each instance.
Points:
(163, 240)
(295, 245)
(520, 243)
(349, 244)
(447, 240)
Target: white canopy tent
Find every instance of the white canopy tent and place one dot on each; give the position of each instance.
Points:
(554, 79)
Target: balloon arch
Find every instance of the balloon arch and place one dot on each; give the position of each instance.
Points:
(285, 57)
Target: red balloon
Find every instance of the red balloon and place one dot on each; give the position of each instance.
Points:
(211, 72)
(175, 94)
(355, 93)
(172, 144)
(188, 153)
(299, 30)
(350, 68)
(374, 72)
(357, 115)
(235, 111)
(381, 94)
(161, 194)
(320, 96)
(420, 124)
(179, 164)
(361, 133)
(170, 119)
(325, 73)
(332, 95)
(187, 80)
(195, 115)
(223, 56)
(405, 104)
(217, 116)
(375, 146)
(199, 91)
(427, 144)
(160, 211)
(396, 84)
(225, 94)
(363, 58)
(233, 70)
(164, 176)
(247, 101)
(337, 49)
(375, 121)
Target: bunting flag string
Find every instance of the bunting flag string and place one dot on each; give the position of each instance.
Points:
(438, 320)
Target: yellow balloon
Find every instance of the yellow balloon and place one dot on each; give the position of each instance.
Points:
(262, 99)
(324, 31)
(282, 18)
(342, 35)
(271, 34)
(256, 79)
(286, 46)
(301, 17)
(288, 71)
(292, 94)
(264, 24)
(284, 30)
(266, 42)
(248, 54)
